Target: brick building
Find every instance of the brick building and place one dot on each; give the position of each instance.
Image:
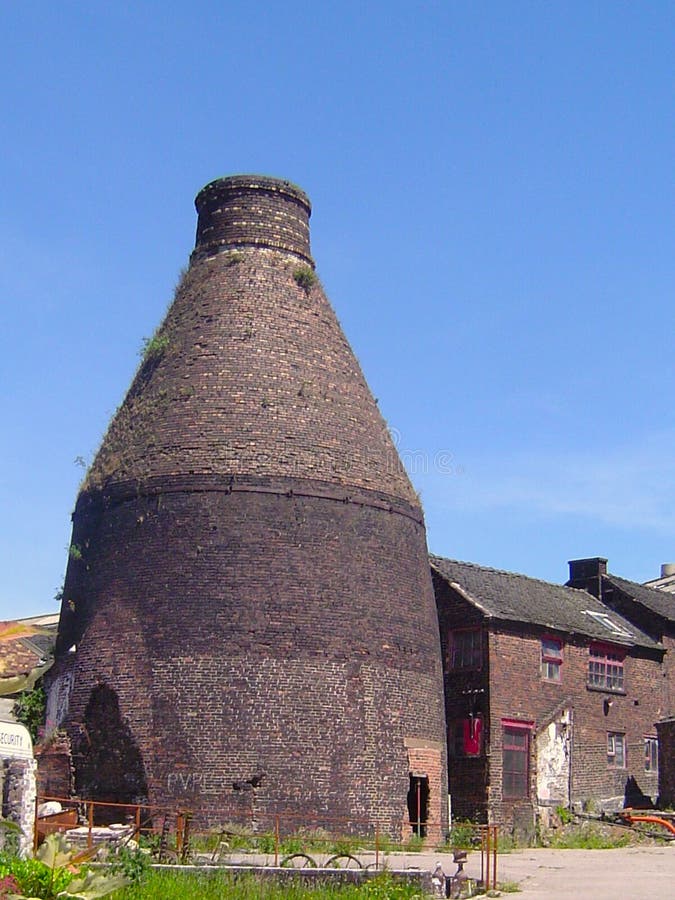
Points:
(248, 622)
(651, 607)
(550, 697)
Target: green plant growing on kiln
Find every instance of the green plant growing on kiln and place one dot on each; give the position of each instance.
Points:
(305, 278)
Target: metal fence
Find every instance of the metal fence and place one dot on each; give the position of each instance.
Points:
(279, 839)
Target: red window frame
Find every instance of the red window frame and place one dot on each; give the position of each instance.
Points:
(551, 659)
(465, 657)
(606, 667)
(516, 759)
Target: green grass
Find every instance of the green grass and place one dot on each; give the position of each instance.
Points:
(166, 885)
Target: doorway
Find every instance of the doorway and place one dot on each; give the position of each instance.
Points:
(418, 803)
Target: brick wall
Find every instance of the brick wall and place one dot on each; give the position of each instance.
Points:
(509, 688)
(666, 736)
(251, 600)
(466, 693)
(54, 768)
(519, 692)
(429, 759)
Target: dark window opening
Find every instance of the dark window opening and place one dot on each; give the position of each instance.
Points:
(418, 803)
(516, 762)
(465, 650)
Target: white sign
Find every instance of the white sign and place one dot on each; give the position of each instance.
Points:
(15, 742)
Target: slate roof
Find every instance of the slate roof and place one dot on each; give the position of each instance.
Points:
(660, 602)
(667, 583)
(21, 654)
(509, 597)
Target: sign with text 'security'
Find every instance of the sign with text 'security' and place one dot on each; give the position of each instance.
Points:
(15, 741)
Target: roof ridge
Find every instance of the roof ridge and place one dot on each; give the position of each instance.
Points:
(472, 565)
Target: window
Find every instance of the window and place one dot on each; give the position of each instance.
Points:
(551, 659)
(651, 754)
(516, 761)
(616, 750)
(609, 623)
(605, 668)
(466, 649)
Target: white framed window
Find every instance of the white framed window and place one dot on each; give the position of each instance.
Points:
(616, 749)
(551, 659)
(651, 754)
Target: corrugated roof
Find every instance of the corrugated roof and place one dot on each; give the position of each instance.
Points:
(511, 597)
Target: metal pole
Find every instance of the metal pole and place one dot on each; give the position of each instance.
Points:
(90, 817)
(494, 857)
(419, 807)
(276, 841)
(482, 853)
(179, 833)
(35, 825)
(377, 847)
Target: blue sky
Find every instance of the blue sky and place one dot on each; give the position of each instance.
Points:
(493, 221)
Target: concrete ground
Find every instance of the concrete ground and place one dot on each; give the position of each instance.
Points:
(636, 873)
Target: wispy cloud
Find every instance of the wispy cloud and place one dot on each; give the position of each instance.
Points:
(629, 486)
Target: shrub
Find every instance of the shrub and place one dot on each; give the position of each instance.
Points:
(154, 347)
(305, 278)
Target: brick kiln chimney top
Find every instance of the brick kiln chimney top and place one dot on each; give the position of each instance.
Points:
(252, 210)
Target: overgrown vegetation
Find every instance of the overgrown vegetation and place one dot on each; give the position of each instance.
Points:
(305, 277)
(588, 837)
(154, 347)
(30, 709)
(55, 872)
(167, 885)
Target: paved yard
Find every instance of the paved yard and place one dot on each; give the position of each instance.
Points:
(636, 873)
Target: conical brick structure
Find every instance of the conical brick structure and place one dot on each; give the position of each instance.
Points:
(248, 624)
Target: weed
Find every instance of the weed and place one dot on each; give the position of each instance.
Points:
(154, 347)
(588, 837)
(160, 885)
(30, 710)
(564, 814)
(414, 844)
(133, 864)
(305, 278)
(509, 887)
(75, 552)
(463, 835)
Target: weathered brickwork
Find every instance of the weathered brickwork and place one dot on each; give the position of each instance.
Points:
(427, 759)
(567, 723)
(519, 692)
(466, 693)
(54, 767)
(666, 736)
(250, 598)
